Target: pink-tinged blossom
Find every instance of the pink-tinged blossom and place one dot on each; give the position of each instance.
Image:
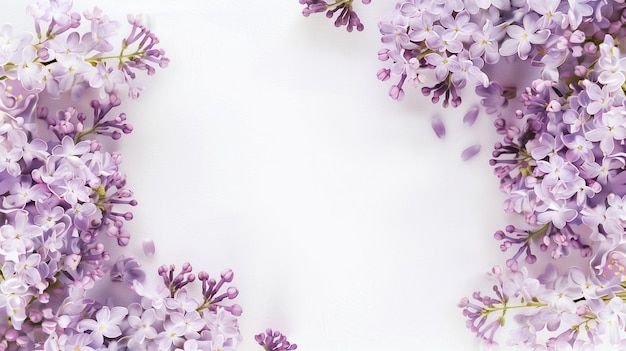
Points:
(521, 39)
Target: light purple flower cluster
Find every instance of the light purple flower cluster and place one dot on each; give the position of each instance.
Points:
(346, 16)
(64, 201)
(579, 311)
(273, 340)
(562, 157)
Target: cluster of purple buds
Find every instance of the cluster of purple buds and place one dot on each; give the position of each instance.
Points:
(346, 16)
(273, 340)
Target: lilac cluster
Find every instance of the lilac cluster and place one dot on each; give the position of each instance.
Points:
(273, 340)
(346, 16)
(64, 201)
(441, 46)
(579, 311)
(561, 160)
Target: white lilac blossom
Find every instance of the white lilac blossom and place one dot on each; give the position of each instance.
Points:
(62, 193)
(562, 159)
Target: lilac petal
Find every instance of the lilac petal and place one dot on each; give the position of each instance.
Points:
(438, 127)
(471, 116)
(148, 247)
(470, 152)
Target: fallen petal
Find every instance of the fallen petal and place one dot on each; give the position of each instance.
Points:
(148, 247)
(470, 152)
(471, 116)
(438, 127)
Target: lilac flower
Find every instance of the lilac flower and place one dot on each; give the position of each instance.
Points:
(460, 25)
(613, 318)
(558, 213)
(142, 326)
(222, 322)
(493, 97)
(485, 43)
(17, 239)
(521, 39)
(548, 9)
(394, 33)
(555, 170)
(79, 342)
(578, 148)
(577, 10)
(442, 63)
(273, 340)
(611, 126)
(421, 26)
(601, 98)
(106, 324)
(127, 270)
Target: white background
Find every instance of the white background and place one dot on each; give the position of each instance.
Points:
(268, 146)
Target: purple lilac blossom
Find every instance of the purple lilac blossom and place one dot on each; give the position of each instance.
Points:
(62, 193)
(343, 9)
(561, 159)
